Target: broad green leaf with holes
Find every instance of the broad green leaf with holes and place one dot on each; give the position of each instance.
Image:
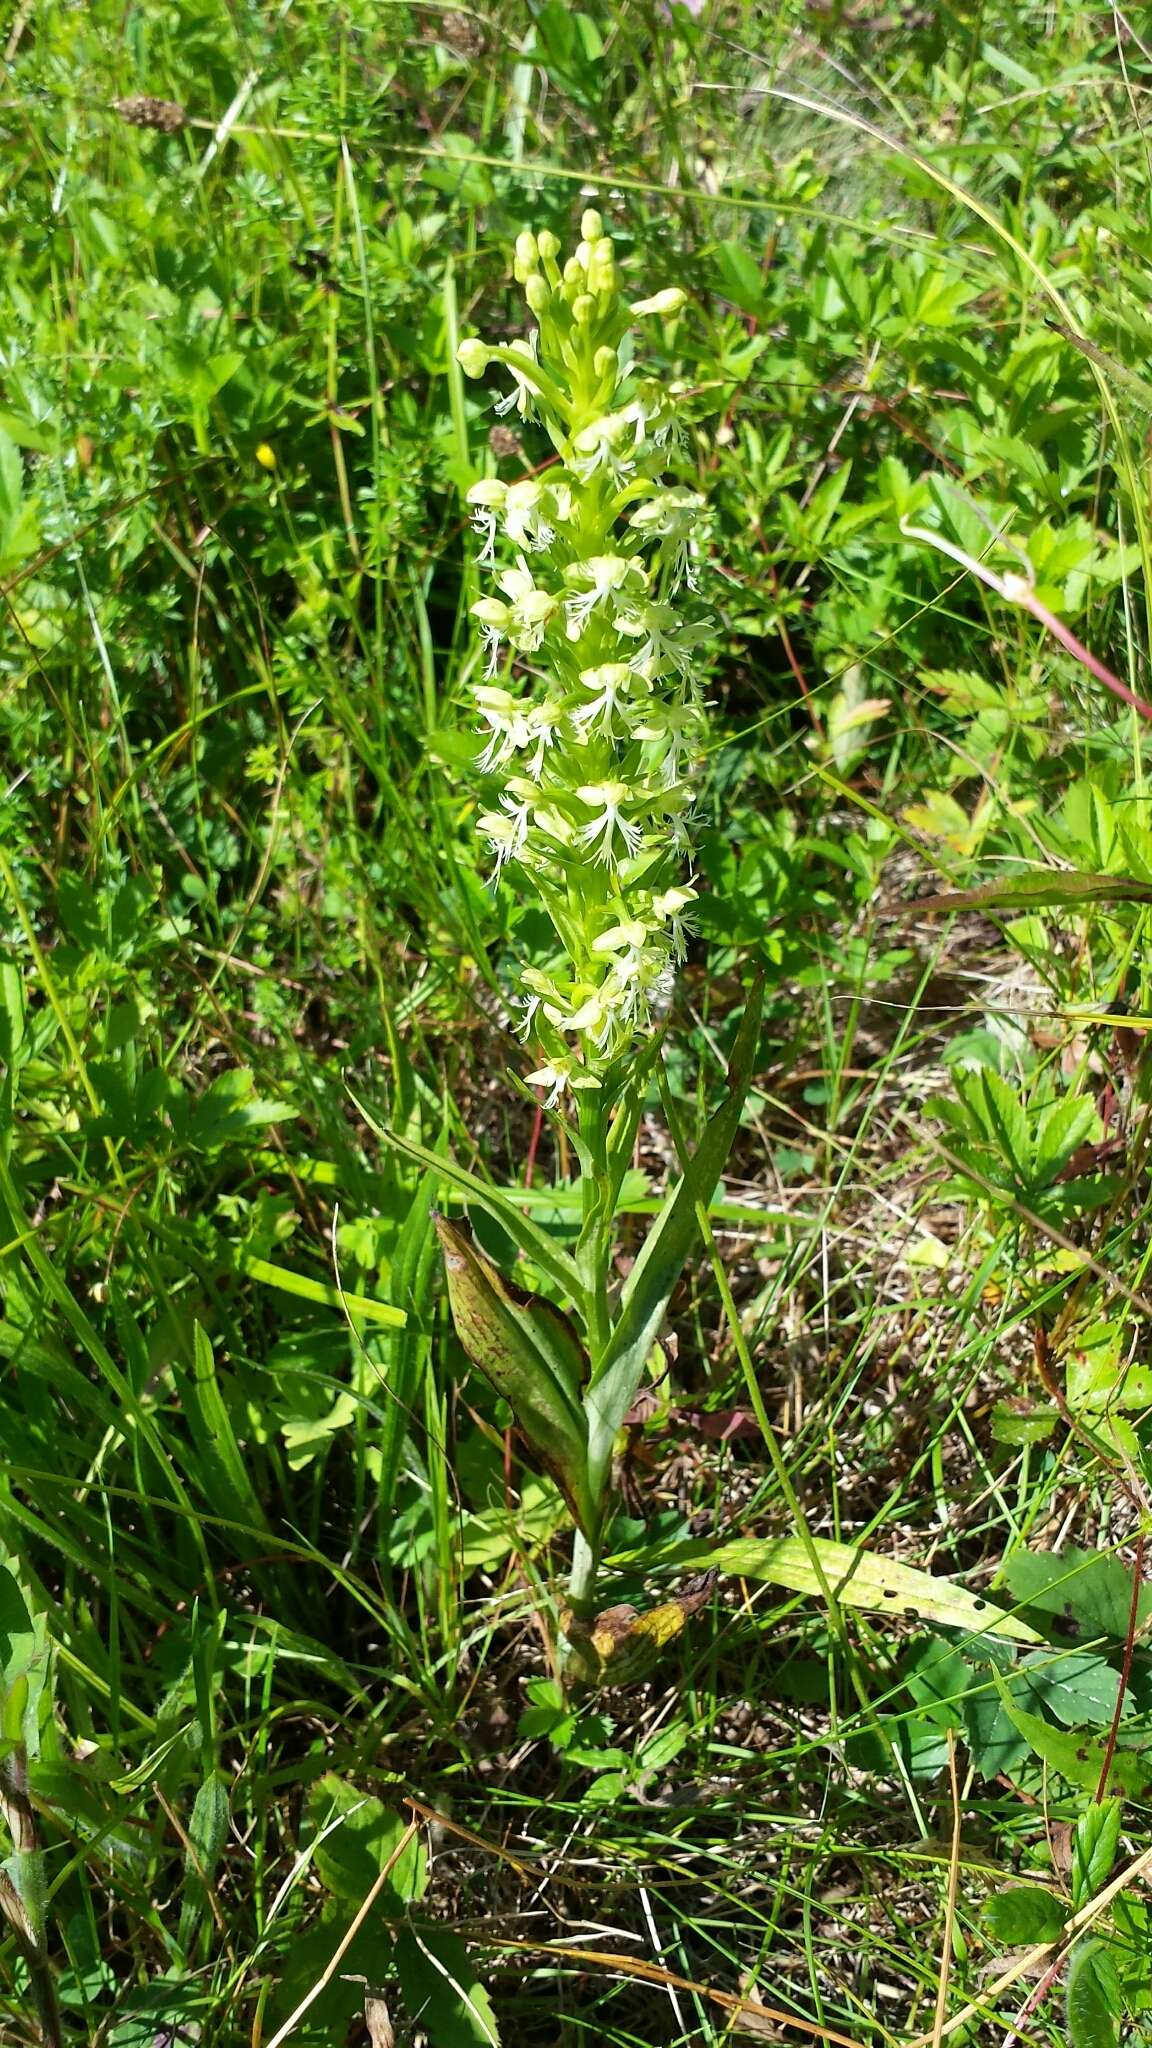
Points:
(857, 1577)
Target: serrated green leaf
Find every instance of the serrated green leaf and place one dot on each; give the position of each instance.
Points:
(1077, 1756)
(1063, 1127)
(1090, 1590)
(1075, 1686)
(997, 1110)
(739, 278)
(1024, 1914)
(349, 1857)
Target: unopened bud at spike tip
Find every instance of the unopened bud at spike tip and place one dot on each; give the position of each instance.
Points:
(591, 225)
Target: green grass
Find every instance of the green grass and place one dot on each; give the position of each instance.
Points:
(275, 1566)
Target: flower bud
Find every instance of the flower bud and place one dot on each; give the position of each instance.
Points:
(591, 225)
(665, 302)
(574, 272)
(602, 268)
(538, 293)
(606, 363)
(527, 256)
(583, 307)
(548, 245)
(473, 357)
(537, 608)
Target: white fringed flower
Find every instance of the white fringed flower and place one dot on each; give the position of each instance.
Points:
(599, 581)
(601, 832)
(594, 749)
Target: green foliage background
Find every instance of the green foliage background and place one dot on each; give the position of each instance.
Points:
(271, 1565)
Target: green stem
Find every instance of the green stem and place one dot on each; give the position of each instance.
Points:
(582, 1580)
(594, 1250)
(593, 1260)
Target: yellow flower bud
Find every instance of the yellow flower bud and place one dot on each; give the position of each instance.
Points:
(591, 225)
(538, 293)
(583, 307)
(548, 245)
(266, 456)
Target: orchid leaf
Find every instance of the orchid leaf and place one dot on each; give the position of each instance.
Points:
(857, 1577)
(653, 1278)
(1050, 889)
(530, 1354)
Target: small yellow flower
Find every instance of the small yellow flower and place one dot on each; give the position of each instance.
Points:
(266, 456)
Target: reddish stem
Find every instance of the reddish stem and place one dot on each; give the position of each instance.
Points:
(1060, 632)
(1126, 1667)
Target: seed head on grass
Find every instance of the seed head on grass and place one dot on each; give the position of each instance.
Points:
(590, 707)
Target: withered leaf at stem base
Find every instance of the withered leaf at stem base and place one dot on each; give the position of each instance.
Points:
(621, 1645)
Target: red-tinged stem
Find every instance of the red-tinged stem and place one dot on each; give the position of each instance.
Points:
(1016, 589)
(1126, 1667)
(1082, 654)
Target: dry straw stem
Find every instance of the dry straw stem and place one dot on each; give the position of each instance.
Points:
(334, 1962)
(1038, 1958)
(732, 2002)
(939, 2024)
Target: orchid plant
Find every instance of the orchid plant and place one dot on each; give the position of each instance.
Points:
(593, 722)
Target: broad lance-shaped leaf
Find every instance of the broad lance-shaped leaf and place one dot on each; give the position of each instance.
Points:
(1053, 889)
(654, 1276)
(857, 1577)
(530, 1353)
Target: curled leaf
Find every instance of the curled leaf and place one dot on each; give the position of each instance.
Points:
(529, 1352)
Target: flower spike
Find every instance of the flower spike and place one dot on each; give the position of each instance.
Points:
(591, 740)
